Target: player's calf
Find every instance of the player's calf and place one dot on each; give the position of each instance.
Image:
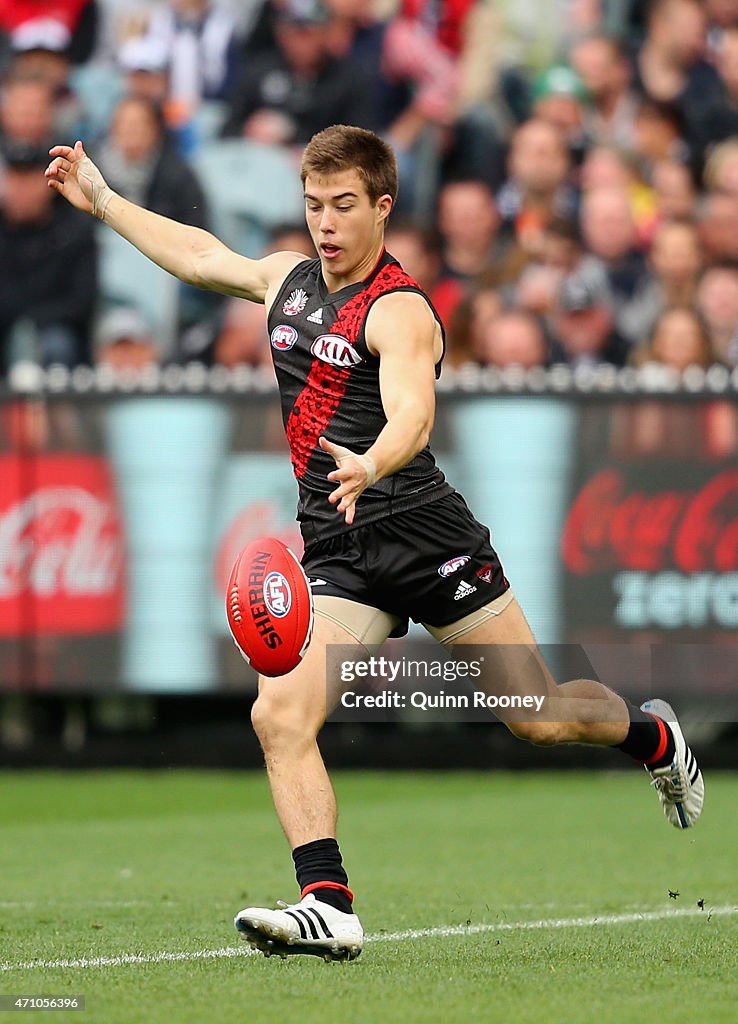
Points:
(542, 734)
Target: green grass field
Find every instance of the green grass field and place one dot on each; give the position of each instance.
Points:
(116, 864)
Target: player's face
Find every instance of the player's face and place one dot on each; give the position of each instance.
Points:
(346, 228)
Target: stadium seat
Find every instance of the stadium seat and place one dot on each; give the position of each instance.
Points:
(98, 88)
(251, 189)
(128, 278)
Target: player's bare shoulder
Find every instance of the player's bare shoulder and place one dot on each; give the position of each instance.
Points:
(405, 313)
(276, 269)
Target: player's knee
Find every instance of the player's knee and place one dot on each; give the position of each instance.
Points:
(279, 722)
(542, 734)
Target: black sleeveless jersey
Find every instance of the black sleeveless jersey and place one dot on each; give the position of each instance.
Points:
(329, 385)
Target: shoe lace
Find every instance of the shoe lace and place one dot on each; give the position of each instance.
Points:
(670, 784)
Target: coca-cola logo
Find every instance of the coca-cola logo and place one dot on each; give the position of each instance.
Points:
(61, 547)
(612, 526)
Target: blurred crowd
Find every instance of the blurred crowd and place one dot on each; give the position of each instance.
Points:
(569, 168)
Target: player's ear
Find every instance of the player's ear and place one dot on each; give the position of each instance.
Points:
(384, 206)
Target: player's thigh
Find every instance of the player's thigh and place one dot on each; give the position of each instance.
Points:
(511, 662)
(311, 690)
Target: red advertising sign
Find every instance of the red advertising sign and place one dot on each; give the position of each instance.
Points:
(653, 545)
(612, 524)
(61, 546)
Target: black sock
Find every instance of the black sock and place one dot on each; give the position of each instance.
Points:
(649, 739)
(320, 861)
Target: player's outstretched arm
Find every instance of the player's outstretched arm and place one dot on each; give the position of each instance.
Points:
(191, 254)
(403, 332)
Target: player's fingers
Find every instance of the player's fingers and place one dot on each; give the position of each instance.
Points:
(346, 488)
(65, 151)
(348, 507)
(57, 165)
(337, 451)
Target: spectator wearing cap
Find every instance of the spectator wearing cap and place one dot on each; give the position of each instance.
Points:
(46, 301)
(41, 50)
(124, 340)
(559, 98)
(144, 63)
(198, 39)
(606, 73)
(289, 94)
(583, 326)
(538, 185)
(69, 25)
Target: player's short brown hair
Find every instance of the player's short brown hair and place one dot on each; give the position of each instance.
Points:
(344, 147)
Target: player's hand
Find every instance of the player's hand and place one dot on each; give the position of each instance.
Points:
(353, 474)
(73, 175)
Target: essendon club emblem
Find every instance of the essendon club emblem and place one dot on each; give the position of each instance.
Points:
(296, 302)
(336, 350)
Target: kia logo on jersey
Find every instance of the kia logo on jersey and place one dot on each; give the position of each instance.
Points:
(283, 337)
(336, 350)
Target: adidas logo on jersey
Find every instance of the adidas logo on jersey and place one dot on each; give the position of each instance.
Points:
(316, 317)
(463, 590)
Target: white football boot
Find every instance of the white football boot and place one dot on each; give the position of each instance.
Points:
(679, 785)
(309, 926)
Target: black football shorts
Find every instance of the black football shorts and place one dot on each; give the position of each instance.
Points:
(433, 564)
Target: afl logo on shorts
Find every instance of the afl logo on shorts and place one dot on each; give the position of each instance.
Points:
(277, 595)
(453, 564)
(283, 337)
(336, 350)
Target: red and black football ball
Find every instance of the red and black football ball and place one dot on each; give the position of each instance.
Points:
(269, 607)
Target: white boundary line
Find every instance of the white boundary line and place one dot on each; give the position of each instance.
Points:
(442, 932)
